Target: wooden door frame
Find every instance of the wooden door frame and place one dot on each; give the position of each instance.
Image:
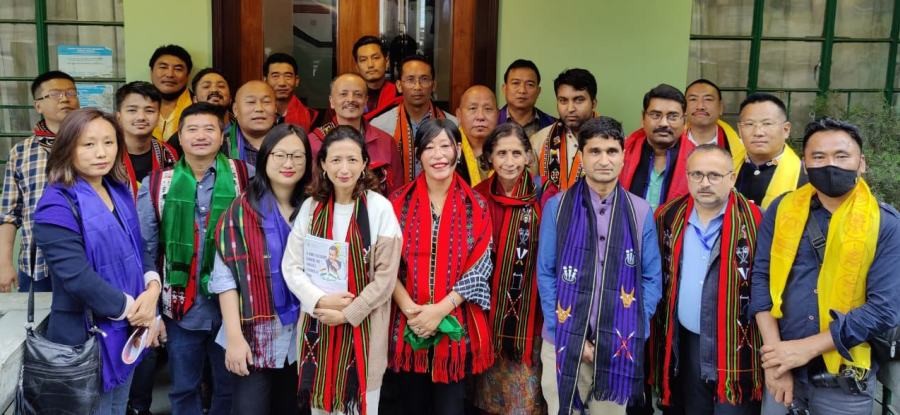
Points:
(238, 42)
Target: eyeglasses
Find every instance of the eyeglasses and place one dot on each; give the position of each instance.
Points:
(296, 158)
(671, 117)
(58, 94)
(714, 178)
(765, 124)
(425, 81)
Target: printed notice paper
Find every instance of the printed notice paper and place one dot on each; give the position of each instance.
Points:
(85, 61)
(325, 262)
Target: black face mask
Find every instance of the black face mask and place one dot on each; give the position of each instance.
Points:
(832, 180)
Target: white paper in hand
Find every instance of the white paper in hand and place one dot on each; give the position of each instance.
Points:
(138, 341)
(325, 262)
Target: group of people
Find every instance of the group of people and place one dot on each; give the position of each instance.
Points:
(494, 260)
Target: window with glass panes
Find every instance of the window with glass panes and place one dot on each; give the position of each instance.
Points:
(30, 34)
(798, 49)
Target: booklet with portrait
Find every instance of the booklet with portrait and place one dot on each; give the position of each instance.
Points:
(325, 262)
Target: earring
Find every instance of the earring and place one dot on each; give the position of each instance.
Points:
(324, 174)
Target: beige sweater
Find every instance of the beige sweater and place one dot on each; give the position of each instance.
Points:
(374, 301)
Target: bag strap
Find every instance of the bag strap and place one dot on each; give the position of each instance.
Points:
(90, 314)
(816, 238)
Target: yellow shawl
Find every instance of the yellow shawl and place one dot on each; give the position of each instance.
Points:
(472, 163)
(787, 173)
(849, 251)
(168, 126)
(735, 145)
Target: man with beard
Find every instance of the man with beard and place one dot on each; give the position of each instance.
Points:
(280, 72)
(477, 115)
(254, 112)
(599, 282)
(210, 86)
(771, 168)
(556, 148)
(655, 154)
(170, 66)
(371, 59)
(705, 126)
(24, 179)
(348, 100)
(521, 88)
(824, 281)
(417, 85)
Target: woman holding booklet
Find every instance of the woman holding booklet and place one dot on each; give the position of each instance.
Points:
(259, 313)
(341, 260)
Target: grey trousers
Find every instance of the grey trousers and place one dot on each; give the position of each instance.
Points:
(831, 401)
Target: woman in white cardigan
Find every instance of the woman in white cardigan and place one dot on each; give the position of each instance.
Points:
(343, 332)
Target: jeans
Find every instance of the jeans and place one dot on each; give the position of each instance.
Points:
(115, 401)
(25, 281)
(414, 393)
(189, 351)
(821, 400)
(141, 396)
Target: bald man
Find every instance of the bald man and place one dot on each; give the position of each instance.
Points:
(348, 97)
(477, 114)
(254, 113)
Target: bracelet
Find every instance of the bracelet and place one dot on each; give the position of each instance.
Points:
(452, 301)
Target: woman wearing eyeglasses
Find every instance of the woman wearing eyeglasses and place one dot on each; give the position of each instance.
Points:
(346, 305)
(259, 313)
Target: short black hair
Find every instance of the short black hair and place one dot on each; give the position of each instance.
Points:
(831, 124)
(46, 76)
(705, 82)
(580, 79)
(279, 57)
(430, 129)
(522, 64)
(368, 40)
(203, 108)
(416, 58)
(206, 71)
(173, 50)
(758, 97)
(665, 91)
(144, 89)
(603, 127)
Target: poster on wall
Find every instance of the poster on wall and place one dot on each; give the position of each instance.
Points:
(95, 95)
(86, 61)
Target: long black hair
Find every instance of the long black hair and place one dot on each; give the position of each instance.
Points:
(260, 185)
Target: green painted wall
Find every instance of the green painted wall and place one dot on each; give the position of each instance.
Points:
(629, 46)
(150, 24)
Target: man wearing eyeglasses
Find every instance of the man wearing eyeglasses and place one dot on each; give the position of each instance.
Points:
(771, 168)
(348, 101)
(705, 358)
(24, 178)
(656, 154)
(280, 72)
(416, 84)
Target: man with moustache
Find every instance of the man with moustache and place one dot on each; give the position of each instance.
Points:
(24, 179)
(771, 167)
(416, 84)
(254, 113)
(371, 59)
(209, 85)
(477, 114)
(178, 209)
(704, 360)
(556, 148)
(705, 126)
(655, 154)
(596, 238)
(137, 110)
(280, 72)
(170, 66)
(825, 281)
(347, 100)
(521, 88)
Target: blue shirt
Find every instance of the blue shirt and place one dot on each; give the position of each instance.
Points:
(695, 261)
(651, 277)
(204, 313)
(800, 305)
